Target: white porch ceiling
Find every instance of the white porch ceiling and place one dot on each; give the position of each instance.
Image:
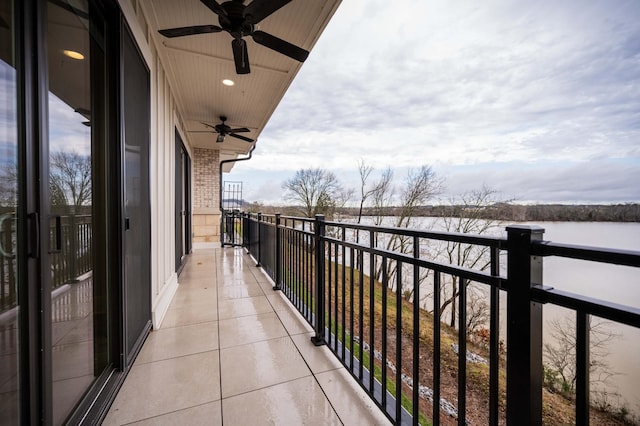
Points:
(197, 64)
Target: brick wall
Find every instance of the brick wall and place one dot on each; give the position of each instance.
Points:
(206, 194)
(206, 176)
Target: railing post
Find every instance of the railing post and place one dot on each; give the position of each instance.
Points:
(72, 234)
(524, 327)
(223, 228)
(259, 259)
(233, 227)
(246, 233)
(319, 338)
(278, 253)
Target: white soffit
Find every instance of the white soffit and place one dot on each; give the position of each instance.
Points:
(197, 64)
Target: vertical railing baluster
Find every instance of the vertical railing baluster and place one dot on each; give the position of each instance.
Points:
(398, 361)
(344, 293)
(372, 263)
(328, 289)
(351, 306)
(310, 274)
(259, 240)
(361, 317)
(297, 276)
(319, 338)
(494, 341)
(416, 332)
(436, 347)
(462, 352)
(385, 284)
(278, 254)
(335, 296)
(582, 368)
(524, 327)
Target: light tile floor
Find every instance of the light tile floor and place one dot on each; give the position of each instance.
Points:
(233, 351)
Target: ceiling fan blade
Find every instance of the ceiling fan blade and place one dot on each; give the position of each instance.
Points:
(214, 7)
(260, 9)
(239, 130)
(185, 31)
(64, 5)
(244, 138)
(279, 45)
(202, 131)
(240, 56)
(211, 126)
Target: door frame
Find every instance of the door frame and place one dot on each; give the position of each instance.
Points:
(34, 291)
(182, 202)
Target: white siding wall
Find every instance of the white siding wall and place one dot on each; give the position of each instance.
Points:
(164, 119)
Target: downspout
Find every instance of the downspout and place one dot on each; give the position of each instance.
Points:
(222, 163)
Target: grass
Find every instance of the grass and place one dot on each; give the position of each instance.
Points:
(555, 408)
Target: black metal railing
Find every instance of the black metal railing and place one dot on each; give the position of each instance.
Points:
(372, 293)
(8, 265)
(70, 240)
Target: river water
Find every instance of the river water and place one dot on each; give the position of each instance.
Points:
(616, 284)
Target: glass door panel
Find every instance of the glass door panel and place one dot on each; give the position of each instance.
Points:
(9, 254)
(76, 132)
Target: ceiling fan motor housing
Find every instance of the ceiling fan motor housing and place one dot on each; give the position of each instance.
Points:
(236, 23)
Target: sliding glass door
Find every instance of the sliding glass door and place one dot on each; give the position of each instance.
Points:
(77, 134)
(10, 276)
(75, 293)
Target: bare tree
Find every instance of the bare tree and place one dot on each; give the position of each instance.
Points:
(420, 186)
(469, 218)
(8, 185)
(382, 195)
(560, 353)
(381, 190)
(70, 179)
(316, 191)
(478, 312)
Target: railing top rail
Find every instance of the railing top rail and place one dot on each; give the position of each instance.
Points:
(298, 218)
(490, 241)
(601, 308)
(446, 268)
(595, 254)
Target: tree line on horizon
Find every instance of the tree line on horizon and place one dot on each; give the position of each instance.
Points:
(628, 212)
(313, 191)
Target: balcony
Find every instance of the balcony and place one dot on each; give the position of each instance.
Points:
(232, 350)
(356, 284)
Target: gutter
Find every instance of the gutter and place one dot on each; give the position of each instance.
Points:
(223, 162)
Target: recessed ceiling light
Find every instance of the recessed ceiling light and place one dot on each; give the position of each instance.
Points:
(228, 82)
(73, 54)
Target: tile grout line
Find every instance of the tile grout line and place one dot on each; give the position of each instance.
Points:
(216, 278)
(289, 336)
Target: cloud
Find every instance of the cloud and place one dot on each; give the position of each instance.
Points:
(466, 84)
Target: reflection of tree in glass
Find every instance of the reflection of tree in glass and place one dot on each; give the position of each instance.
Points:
(70, 179)
(8, 185)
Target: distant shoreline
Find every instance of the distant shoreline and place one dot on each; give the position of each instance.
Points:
(629, 212)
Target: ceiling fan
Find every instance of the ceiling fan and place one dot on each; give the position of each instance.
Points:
(239, 21)
(223, 130)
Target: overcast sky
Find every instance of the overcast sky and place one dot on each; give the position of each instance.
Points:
(539, 100)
